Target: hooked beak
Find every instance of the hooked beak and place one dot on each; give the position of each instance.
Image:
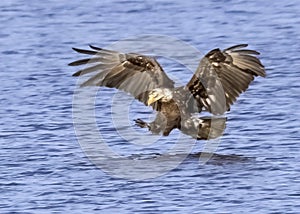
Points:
(153, 98)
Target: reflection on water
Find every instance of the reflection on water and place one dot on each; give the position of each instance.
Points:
(216, 159)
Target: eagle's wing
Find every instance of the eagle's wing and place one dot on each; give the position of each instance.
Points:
(133, 73)
(223, 75)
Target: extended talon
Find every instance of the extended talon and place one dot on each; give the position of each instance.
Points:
(141, 123)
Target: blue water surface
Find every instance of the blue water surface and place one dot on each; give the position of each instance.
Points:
(256, 168)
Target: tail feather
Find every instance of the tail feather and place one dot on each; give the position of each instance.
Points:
(204, 128)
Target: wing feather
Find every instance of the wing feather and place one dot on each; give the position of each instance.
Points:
(223, 75)
(134, 73)
(97, 67)
(90, 60)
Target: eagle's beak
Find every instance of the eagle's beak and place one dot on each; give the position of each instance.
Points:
(153, 98)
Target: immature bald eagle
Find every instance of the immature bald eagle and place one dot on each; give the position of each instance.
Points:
(221, 77)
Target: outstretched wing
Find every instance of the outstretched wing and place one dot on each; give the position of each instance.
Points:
(223, 75)
(133, 73)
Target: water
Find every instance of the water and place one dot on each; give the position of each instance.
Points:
(43, 169)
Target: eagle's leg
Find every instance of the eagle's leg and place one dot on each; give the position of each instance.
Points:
(142, 124)
(154, 127)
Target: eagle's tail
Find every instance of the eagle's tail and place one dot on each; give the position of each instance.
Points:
(204, 128)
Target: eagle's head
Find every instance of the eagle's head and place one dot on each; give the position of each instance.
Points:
(160, 94)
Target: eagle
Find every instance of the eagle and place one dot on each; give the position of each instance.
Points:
(222, 75)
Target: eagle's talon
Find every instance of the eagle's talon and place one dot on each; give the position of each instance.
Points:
(140, 123)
